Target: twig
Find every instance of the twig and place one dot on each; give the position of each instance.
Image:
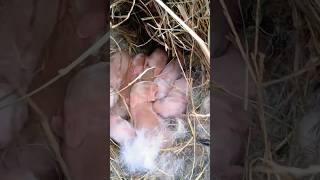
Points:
(51, 138)
(290, 76)
(237, 39)
(280, 169)
(66, 70)
(201, 43)
(127, 17)
(136, 79)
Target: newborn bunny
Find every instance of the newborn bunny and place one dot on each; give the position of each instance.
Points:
(174, 105)
(165, 80)
(118, 106)
(135, 68)
(85, 123)
(158, 59)
(141, 97)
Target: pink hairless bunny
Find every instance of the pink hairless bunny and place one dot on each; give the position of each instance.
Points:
(134, 70)
(142, 96)
(167, 77)
(175, 103)
(157, 60)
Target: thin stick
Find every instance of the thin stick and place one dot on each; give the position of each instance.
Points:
(66, 70)
(127, 17)
(51, 138)
(294, 171)
(136, 79)
(237, 39)
(290, 76)
(201, 43)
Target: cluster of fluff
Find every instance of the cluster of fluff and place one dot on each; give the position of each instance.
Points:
(177, 129)
(142, 154)
(170, 165)
(139, 155)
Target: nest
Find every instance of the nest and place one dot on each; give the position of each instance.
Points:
(142, 26)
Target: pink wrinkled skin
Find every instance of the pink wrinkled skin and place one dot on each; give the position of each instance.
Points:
(85, 123)
(165, 80)
(174, 105)
(141, 98)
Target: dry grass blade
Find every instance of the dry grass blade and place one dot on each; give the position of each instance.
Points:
(275, 168)
(201, 43)
(62, 72)
(44, 121)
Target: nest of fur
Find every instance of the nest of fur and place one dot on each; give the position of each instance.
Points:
(142, 26)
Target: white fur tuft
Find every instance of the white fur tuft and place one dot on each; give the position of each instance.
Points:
(140, 154)
(171, 164)
(180, 131)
